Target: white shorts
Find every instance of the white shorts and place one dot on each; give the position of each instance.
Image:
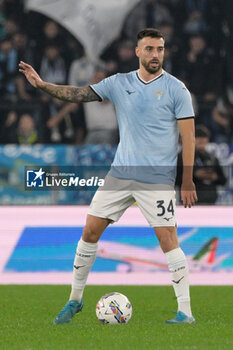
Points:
(156, 202)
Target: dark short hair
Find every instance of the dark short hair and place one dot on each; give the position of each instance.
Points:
(202, 131)
(149, 32)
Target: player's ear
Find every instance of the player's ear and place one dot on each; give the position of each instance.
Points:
(137, 51)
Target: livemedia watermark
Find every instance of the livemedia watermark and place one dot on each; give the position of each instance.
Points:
(46, 179)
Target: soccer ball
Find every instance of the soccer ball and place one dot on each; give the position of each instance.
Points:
(114, 308)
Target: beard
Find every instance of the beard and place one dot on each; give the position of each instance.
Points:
(149, 68)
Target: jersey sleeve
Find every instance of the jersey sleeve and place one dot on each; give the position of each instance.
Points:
(183, 103)
(104, 88)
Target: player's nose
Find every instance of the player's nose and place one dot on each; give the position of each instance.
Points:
(155, 54)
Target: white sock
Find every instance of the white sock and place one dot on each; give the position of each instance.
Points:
(179, 270)
(84, 259)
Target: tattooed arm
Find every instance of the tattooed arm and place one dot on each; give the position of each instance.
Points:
(70, 93)
(62, 92)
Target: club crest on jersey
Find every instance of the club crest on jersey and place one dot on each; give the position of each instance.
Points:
(159, 94)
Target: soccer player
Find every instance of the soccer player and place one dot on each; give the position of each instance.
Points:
(152, 108)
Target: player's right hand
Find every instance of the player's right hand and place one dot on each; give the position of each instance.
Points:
(31, 75)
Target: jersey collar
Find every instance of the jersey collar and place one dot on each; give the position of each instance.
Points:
(150, 81)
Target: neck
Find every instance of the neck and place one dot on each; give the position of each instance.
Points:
(146, 76)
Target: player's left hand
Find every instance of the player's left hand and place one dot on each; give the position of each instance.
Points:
(188, 194)
(31, 75)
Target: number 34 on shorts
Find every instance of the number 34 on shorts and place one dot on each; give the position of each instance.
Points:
(158, 207)
(165, 209)
(170, 208)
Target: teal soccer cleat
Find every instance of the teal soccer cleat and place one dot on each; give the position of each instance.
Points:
(71, 308)
(181, 318)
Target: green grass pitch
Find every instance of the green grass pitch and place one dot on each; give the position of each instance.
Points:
(27, 312)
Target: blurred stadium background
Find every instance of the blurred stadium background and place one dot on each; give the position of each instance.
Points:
(79, 42)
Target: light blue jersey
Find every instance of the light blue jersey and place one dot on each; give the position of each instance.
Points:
(147, 114)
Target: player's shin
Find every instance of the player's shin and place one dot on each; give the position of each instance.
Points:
(84, 259)
(179, 270)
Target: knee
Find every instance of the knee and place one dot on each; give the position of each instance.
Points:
(164, 239)
(164, 234)
(89, 234)
(167, 238)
